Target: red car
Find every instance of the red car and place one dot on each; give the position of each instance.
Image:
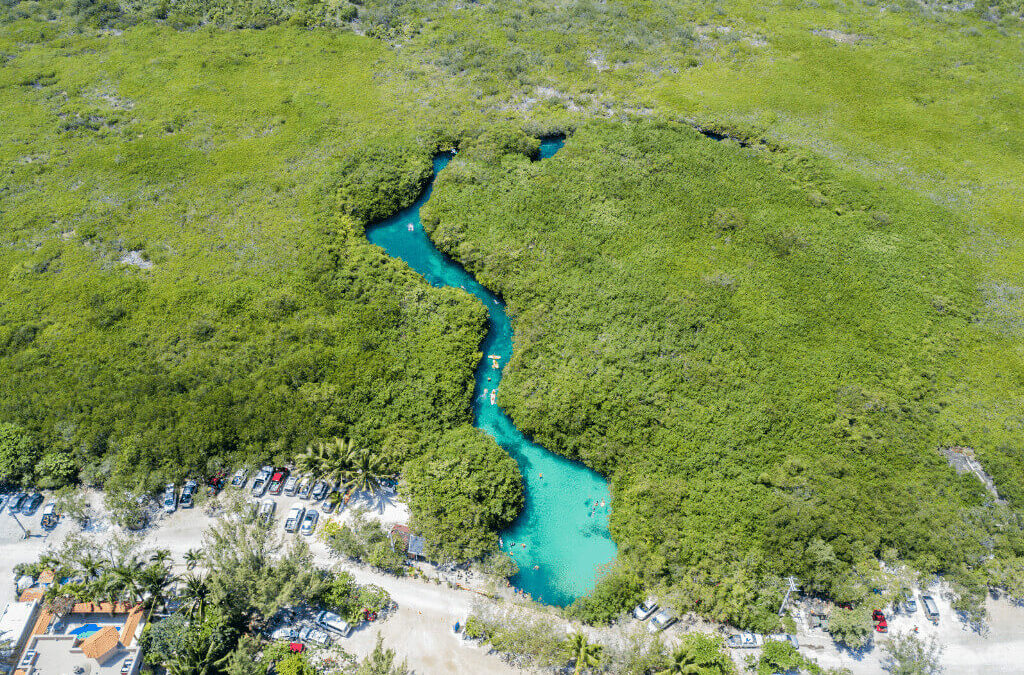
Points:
(881, 625)
(216, 482)
(277, 481)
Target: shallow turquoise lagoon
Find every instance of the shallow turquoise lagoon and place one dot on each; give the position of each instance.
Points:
(560, 541)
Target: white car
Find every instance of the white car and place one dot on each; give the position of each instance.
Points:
(240, 478)
(294, 519)
(744, 641)
(334, 622)
(644, 610)
(661, 621)
(170, 498)
(317, 637)
(267, 507)
(291, 486)
(309, 522)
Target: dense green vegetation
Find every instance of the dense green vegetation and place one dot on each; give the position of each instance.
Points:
(755, 348)
(763, 348)
(461, 493)
(184, 277)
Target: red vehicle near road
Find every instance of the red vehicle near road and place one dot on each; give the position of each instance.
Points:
(277, 481)
(881, 625)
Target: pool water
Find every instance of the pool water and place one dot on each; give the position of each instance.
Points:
(84, 631)
(560, 541)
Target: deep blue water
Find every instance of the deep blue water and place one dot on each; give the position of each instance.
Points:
(560, 540)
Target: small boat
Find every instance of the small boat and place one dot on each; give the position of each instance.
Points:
(411, 227)
(492, 396)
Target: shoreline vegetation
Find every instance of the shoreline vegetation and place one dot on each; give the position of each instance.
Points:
(762, 347)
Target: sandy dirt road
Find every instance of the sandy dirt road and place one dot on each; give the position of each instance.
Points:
(420, 630)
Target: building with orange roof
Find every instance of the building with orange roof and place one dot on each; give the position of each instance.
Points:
(101, 644)
(95, 638)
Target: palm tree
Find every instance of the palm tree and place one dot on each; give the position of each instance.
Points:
(684, 662)
(195, 594)
(155, 580)
(160, 556)
(198, 657)
(331, 460)
(586, 655)
(125, 580)
(90, 566)
(367, 471)
(193, 557)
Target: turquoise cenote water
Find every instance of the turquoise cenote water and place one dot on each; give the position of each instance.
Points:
(560, 541)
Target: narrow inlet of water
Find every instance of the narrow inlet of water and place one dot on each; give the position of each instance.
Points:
(560, 541)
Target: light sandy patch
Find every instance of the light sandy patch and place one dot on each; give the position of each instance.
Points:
(840, 37)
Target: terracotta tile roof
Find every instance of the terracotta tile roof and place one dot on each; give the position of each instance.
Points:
(31, 594)
(42, 623)
(99, 644)
(98, 607)
(46, 577)
(19, 672)
(131, 625)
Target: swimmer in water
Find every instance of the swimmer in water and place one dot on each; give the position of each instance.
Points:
(542, 475)
(524, 545)
(536, 567)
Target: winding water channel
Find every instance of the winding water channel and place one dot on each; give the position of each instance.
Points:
(560, 541)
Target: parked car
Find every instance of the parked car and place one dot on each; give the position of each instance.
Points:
(285, 633)
(316, 636)
(644, 610)
(334, 622)
(294, 519)
(240, 478)
(783, 637)
(267, 511)
(259, 487)
(291, 486)
(252, 508)
(265, 472)
(29, 506)
(215, 483)
(3, 502)
(277, 481)
(744, 641)
(661, 621)
(126, 666)
(50, 517)
(170, 498)
(909, 606)
(14, 502)
(931, 610)
(329, 504)
(309, 522)
(187, 495)
(320, 490)
(305, 485)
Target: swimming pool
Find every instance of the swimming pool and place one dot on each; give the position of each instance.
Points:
(85, 631)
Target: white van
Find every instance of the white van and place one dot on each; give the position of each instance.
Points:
(333, 622)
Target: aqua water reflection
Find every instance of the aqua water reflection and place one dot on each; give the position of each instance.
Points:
(560, 540)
